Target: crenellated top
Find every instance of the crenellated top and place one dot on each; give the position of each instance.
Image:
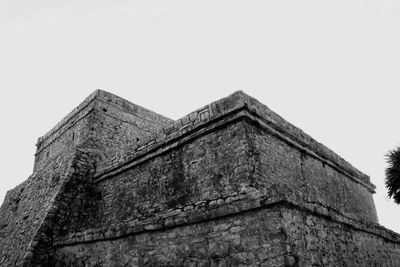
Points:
(222, 109)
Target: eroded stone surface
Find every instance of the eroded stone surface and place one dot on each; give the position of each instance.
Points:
(230, 184)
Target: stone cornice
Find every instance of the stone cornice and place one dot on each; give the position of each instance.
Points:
(223, 112)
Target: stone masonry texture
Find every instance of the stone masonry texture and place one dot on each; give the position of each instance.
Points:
(230, 184)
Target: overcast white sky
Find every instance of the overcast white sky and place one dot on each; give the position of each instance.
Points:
(329, 67)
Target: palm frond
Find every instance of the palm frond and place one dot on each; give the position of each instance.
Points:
(392, 172)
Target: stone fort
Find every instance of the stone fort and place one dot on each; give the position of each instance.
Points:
(231, 184)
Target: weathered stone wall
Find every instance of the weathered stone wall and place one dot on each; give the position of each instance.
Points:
(275, 161)
(178, 129)
(230, 184)
(281, 235)
(26, 207)
(203, 171)
(101, 125)
(210, 168)
(316, 240)
(264, 230)
(66, 135)
(273, 156)
(104, 122)
(253, 238)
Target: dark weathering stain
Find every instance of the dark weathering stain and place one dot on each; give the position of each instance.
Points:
(177, 187)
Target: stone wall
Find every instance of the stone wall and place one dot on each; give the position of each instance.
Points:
(26, 207)
(277, 235)
(251, 238)
(102, 121)
(100, 125)
(317, 240)
(210, 168)
(66, 135)
(275, 161)
(231, 184)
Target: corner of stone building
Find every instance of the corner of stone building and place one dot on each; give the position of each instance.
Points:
(71, 203)
(72, 199)
(65, 161)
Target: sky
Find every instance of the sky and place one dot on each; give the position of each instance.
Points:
(329, 67)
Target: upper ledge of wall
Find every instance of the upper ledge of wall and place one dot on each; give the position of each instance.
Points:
(111, 99)
(305, 140)
(131, 108)
(67, 118)
(222, 108)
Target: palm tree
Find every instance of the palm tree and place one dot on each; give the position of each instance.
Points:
(392, 172)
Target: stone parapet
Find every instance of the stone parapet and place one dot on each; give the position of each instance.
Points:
(219, 110)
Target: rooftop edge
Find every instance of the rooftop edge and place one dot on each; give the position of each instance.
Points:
(218, 108)
(106, 97)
